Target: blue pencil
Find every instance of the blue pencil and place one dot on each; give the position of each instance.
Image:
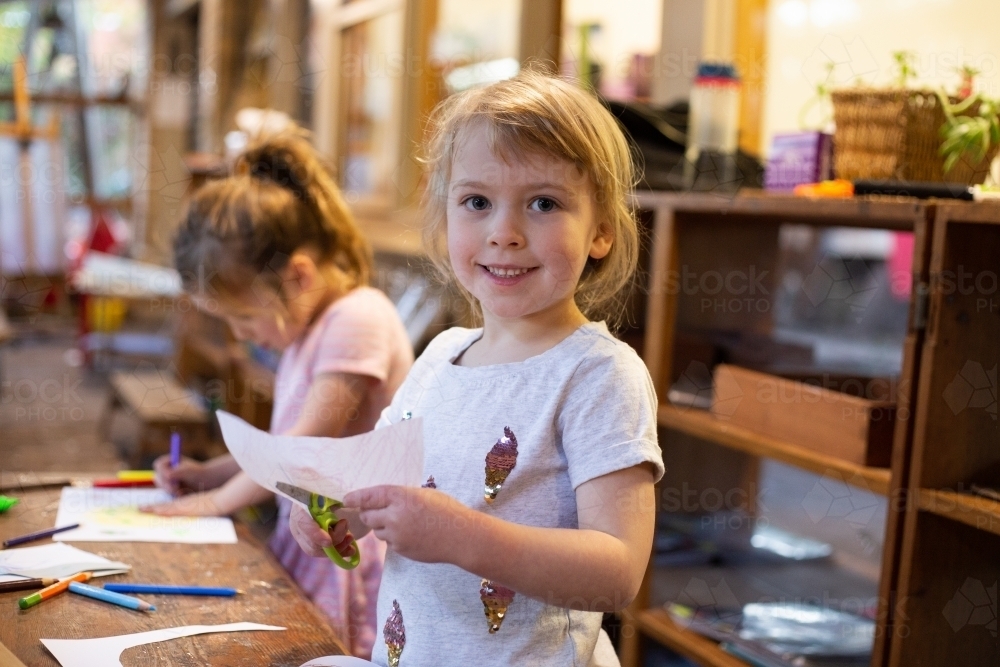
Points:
(108, 596)
(168, 589)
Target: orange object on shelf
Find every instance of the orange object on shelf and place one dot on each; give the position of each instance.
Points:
(838, 188)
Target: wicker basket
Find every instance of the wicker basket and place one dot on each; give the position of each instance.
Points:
(895, 134)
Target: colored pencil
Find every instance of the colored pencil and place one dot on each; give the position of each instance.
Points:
(54, 589)
(30, 537)
(113, 598)
(136, 475)
(121, 483)
(26, 584)
(169, 589)
(175, 449)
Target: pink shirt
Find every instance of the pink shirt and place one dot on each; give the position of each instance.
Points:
(360, 333)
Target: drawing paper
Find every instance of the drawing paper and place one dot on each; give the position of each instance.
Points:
(112, 515)
(332, 467)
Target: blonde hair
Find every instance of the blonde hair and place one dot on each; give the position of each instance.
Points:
(530, 114)
(282, 198)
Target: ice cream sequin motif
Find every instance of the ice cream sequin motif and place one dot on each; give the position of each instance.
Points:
(496, 599)
(499, 462)
(394, 634)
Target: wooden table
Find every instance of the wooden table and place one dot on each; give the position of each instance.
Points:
(271, 597)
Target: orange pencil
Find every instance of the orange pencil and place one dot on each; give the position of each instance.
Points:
(53, 590)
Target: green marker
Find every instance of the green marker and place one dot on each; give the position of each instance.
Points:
(6, 502)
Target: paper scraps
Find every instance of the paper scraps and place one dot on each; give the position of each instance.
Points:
(54, 560)
(106, 651)
(112, 515)
(332, 467)
(337, 661)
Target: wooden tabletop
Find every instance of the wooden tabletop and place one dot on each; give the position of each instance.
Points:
(271, 598)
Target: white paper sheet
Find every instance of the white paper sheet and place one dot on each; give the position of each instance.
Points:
(105, 651)
(112, 515)
(337, 661)
(330, 466)
(54, 560)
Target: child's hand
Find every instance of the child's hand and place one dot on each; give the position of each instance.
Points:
(420, 524)
(186, 476)
(314, 539)
(196, 504)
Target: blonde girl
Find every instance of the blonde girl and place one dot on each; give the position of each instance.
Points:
(539, 427)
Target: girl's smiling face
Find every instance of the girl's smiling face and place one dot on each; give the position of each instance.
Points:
(520, 233)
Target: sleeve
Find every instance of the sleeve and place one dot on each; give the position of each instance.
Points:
(357, 338)
(608, 417)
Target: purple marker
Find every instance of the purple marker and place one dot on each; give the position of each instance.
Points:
(175, 449)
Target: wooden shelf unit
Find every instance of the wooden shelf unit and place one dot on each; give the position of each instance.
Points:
(980, 513)
(657, 624)
(703, 425)
(741, 229)
(950, 551)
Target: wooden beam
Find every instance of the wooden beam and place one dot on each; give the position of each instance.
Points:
(750, 58)
(541, 34)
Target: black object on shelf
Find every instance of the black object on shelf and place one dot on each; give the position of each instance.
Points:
(917, 189)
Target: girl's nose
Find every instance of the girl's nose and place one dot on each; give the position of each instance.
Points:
(506, 231)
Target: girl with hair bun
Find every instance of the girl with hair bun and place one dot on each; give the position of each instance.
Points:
(274, 251)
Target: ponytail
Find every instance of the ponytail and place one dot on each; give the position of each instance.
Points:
(282, 198)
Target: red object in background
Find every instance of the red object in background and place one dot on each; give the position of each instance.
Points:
(101, 237)
(120, 484)
(900, 266)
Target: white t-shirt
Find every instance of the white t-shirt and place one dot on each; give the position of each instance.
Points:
(582, 409)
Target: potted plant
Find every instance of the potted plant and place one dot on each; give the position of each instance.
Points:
(895, 133)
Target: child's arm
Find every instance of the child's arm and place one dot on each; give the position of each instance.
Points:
(598, 567)
(333, 401)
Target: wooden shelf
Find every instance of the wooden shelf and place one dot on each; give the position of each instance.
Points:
(703, 425)
(657, 624)
(873, 212)
(978, 512)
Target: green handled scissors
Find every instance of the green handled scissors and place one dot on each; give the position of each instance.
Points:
(322, 510)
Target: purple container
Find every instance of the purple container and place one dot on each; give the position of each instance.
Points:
(799, 157)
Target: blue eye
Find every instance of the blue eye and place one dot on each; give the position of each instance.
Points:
(544, 205)
(477, 203)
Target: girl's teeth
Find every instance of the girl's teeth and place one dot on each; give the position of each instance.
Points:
(506, 273)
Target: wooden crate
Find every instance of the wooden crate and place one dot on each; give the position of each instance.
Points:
(852, 428)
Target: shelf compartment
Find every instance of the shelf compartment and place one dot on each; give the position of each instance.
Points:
(657, 624)
(703, 425)
(978, 512)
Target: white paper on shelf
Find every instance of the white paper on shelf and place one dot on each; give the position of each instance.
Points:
(54, 560)
(112, 515)
(337, 661)
(332, 467)
(106, 651)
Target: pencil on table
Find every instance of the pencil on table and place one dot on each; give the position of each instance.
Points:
(26, 584)
(108, 596)
(53, 590)
(169, 589)
(30, 537)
